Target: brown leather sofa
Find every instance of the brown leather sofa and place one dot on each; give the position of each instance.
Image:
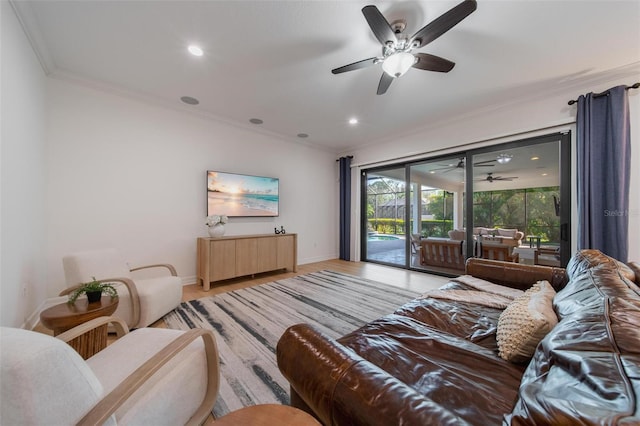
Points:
(435, 362)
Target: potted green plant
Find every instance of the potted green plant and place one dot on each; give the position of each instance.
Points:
(93, 290)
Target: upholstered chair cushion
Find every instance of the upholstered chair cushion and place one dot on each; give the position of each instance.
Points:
(157, 297)
(457, 234)
(43, 380)
(80, 267)
(176, 385)
(511, 233)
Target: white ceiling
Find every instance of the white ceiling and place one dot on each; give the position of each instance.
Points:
(272, 60)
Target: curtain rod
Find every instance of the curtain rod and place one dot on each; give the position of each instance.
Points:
(597, 95)
(348, 156)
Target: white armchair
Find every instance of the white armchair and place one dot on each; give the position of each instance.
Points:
(149, 376)
(141, 301)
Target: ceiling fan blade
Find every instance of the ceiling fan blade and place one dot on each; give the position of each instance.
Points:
(483, 163)
(451, 169)
(432, 63)
(355, 66)
(444, 22)
(385, 82)
(379, 25)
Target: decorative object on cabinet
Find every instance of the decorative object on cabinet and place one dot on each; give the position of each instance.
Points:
(215, 224)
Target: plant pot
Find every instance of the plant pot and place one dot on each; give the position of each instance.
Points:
(216, 231)
(94, 296)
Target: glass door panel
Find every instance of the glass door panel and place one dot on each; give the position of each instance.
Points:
(384, 240)
(437, 189)
(515, 194)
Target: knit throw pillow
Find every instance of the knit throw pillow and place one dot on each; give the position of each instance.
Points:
(525, 322)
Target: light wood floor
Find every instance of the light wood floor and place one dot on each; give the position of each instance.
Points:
(411, 280)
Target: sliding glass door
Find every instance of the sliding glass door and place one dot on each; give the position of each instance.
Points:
(384, 231)
(437, 194)
(419, 217)
(516, 206)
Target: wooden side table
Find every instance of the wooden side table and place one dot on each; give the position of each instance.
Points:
(267, 415)
(65, 316)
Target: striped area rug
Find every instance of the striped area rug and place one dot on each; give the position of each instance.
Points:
(248, 323)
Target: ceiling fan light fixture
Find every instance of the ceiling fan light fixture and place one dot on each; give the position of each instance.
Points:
(504, 158)
(195, 50)
(398, 63)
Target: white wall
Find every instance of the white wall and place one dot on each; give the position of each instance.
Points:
(124, 174)
(547, 112)
(22, 164)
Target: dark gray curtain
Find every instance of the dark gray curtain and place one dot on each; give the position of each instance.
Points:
(345, 207)
(604, 167)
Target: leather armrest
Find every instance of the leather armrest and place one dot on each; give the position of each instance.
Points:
(515, 275)
(343, 388)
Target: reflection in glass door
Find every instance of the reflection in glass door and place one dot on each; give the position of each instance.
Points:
(384, 239)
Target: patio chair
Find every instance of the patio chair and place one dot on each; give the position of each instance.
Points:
(496, 251)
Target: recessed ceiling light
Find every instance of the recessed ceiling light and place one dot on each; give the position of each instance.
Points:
(255, 121)
(303, 135)
(195, 50)
(535, 158)
(189, 100)
(353, 121)
(544, 174)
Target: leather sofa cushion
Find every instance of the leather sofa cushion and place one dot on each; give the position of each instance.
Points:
(586, 260)
(467, 321)
(441, 367)
(586, 370)
(525, 322)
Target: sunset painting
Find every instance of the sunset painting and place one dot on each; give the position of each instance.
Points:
(241, 195)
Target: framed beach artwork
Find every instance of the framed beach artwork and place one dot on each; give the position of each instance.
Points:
(238, 195)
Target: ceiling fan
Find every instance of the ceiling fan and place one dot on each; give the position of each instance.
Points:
(396, 56)
(490, 178)
(460, 165)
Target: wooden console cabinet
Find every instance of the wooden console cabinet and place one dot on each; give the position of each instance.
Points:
(236, 256)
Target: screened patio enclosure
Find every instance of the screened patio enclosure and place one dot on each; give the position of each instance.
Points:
(416, 214)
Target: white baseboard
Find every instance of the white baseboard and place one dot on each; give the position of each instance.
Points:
(317, 259)
(34, 318)
(192, 279)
